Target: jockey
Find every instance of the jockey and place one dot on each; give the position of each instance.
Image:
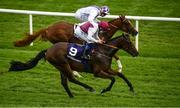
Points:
(89, 33)
(91, 13)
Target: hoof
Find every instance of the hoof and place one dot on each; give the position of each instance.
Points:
(132, 90)
(103, 91)
(91, 90)
(71, 96)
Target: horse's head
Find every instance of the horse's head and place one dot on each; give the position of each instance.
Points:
(126, 44)
(122, 23)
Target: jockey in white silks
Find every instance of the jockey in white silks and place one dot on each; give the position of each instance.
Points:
(91, 13)
(89, 33)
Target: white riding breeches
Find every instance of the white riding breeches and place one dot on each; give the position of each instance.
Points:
(80, 34)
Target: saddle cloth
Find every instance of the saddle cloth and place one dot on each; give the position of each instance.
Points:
(75, 52)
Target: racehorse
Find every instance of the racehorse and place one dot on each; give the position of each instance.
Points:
(64, 32)
(99, 64)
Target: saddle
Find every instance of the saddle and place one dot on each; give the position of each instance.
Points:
(75, 52)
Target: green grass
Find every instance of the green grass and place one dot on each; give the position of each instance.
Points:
(154, 74)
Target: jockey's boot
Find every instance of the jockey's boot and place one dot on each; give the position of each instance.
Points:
(86, 56)
(85, 52)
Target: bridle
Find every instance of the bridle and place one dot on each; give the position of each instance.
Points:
(123, 21)
(111, 46)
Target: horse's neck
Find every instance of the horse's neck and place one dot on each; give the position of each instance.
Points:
(117, 41)
(107, 50)
(113, 28)
(110, 33)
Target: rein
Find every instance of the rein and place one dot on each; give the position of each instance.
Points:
(97, 52)
(114, 26)
(111, 46)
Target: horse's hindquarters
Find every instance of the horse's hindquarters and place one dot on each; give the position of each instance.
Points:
(57, 53)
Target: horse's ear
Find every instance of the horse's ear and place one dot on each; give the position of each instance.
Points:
(122, 17)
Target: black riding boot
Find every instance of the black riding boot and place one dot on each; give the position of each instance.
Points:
(85, 52)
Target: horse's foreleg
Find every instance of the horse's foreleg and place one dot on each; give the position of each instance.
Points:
(72, 79)
(121, 75)
(105, 75)
(127, 81)
(118, 63)
(76, 74)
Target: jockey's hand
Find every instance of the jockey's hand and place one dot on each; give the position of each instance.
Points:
(101, 41)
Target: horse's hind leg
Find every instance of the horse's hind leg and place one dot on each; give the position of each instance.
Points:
(66, 69)
(64, 80)
(65, 85)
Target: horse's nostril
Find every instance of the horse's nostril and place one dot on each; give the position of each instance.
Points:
(135, 54)
(135, 33)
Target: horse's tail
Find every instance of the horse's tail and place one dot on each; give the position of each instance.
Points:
(19, 66)
(30, 38)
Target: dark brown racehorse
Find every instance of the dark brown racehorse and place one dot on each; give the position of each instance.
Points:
(99, 65)
(64, 32)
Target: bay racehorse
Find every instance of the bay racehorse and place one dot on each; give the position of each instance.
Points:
(64, 32)
(99, 64)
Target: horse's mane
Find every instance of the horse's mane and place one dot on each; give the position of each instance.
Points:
(115, 19)
(111, 20)
(114, 38)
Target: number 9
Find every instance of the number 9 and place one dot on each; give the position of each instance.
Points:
(73, 51)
